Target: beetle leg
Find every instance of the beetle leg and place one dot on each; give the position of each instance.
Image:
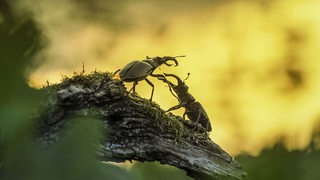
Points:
(134, 86)
(133, 89)
(206, 131)
(199, 114)
(150, 83)
(197, 120)
(116, 71)
(174, 108)
(184, 115)
(207, 125)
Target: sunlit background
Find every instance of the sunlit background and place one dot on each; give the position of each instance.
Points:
(254, 64)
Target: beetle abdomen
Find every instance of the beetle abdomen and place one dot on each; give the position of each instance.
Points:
(135, 71)
(195, 111)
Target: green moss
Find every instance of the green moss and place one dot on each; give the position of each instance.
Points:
(163, 119)
(150, 109)
(86, 80)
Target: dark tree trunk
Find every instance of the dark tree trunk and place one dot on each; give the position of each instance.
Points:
(135, 128)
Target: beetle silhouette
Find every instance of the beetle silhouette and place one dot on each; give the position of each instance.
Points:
(139, 70)
(193, 109)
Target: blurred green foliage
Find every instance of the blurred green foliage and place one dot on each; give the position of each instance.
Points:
(156, 171)
(74, 157)
(280, 163)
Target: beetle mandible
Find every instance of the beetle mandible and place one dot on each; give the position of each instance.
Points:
(193, 109)
(139, 70)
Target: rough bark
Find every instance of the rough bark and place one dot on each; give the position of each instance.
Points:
(135, 128)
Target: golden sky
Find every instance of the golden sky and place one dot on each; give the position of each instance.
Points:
(254, 64)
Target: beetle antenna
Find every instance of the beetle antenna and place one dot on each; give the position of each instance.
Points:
(186, 77)
(180, 56)
(116, 71)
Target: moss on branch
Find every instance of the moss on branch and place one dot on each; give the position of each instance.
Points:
(136, 129)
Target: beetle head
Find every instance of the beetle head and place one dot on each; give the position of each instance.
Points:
(181, 90)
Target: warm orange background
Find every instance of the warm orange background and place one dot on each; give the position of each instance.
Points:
(254, 64)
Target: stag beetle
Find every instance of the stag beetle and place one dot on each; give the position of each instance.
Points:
(139, 70)
(193, 109)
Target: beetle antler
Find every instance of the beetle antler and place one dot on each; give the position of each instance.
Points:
(170, 58)
(176, 77)
(164, 79)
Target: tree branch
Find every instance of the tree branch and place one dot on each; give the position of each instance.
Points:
(135, 128)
